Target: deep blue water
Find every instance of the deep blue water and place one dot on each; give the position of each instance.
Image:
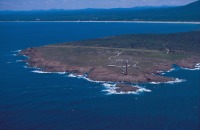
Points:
(51, 101)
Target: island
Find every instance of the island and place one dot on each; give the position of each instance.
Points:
(133, 58)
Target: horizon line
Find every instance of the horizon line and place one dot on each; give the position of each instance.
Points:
(170, 22)
(134, 7)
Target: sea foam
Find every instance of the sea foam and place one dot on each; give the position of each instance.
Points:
(44, 72)
(18, 60)
(177, 80)
(110, 88)
(17, 51)
(164, 72)
(197, 67)
(170, 70)
(84, 77)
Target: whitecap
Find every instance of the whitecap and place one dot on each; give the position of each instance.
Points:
(177, 80)
(90, 80)
(170, 70)
(196, 67)
(110, 88)
(164, 72)
(154, 82)
(30, 67)
(143, 90)
(17, 51)
(18, 60)
(26, 56)
(61, 72)
(44, 72)
(27, 67)
(40, 72)
(72, 76)
(109, 85)
(84, 77)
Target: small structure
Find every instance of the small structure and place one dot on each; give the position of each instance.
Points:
(123, 68)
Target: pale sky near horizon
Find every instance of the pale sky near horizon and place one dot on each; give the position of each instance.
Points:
(82, 4)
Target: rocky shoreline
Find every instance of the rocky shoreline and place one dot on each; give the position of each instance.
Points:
(99, 73)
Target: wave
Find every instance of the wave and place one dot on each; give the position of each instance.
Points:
(143, 90)
(84, 77)
(18, 60)
(170, 70)
(27, 67)
(44, 72)
(110, 88)
(69, 75)
(26, 56)
(72, 76)
(177, 80)
(196, 67)
(40, 72)
(164, 72)
(109, 85)
(17, 51)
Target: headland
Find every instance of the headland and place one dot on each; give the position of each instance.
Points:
(137, 58)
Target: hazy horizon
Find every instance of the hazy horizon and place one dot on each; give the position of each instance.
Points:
(30, 5)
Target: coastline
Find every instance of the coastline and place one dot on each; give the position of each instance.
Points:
(111, 86)
(101, 74)
(102, 60)
(160, 22)
(96, 73)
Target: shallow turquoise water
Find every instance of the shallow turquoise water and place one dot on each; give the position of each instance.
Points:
(52, 101)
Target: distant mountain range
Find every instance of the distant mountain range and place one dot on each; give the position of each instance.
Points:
(190, 12)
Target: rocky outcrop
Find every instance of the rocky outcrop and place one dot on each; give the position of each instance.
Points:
(189, 62)
(126, 88)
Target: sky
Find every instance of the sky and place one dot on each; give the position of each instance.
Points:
(82, 4)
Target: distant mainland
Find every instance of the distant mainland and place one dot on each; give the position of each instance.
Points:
(187, 13)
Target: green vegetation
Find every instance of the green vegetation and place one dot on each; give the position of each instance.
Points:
(143, 52)
(124, 58)
(176, 43)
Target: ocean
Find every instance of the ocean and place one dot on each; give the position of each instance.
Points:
(30, 99)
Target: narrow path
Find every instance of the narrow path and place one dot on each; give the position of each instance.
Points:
(116, 55)
(135, 65)
(167, 50)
